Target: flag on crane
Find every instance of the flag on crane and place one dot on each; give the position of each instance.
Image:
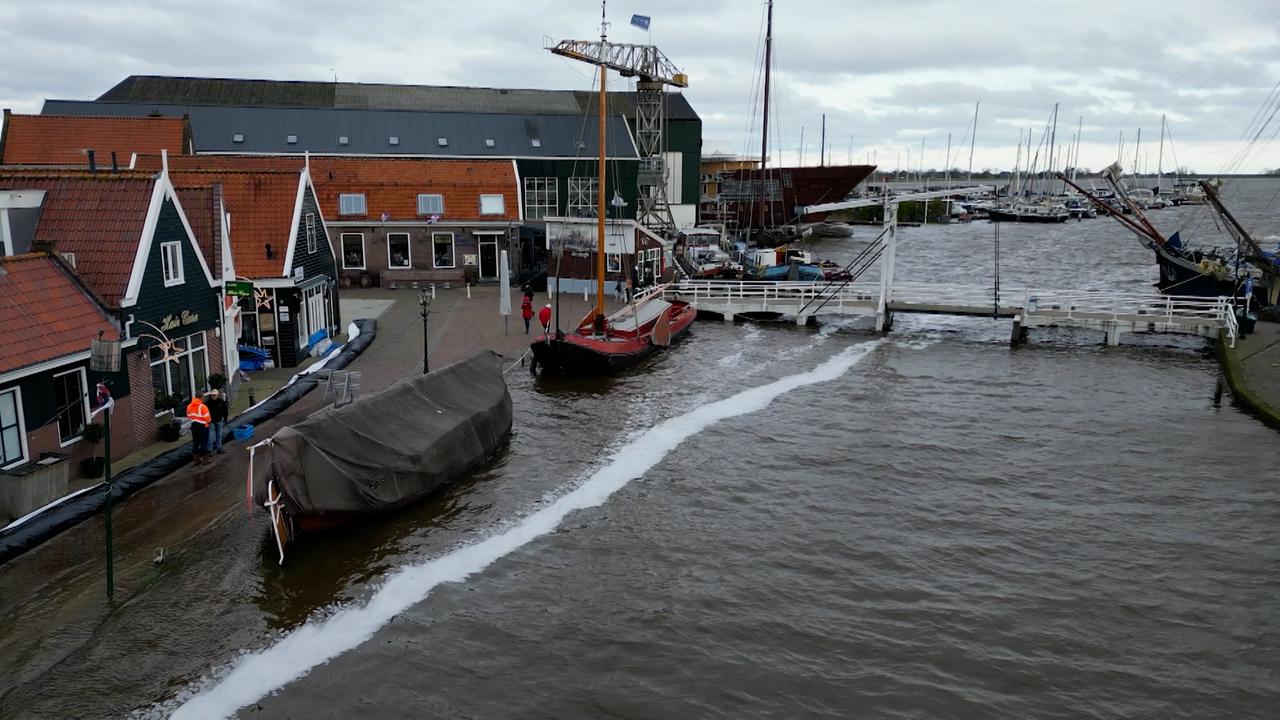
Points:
(640, 21)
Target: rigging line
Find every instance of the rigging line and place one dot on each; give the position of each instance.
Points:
(1249, 147)
(1272, 102)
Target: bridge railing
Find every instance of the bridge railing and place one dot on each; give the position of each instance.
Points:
(1126, 306)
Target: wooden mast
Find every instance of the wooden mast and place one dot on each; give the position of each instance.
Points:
(764, 130)
(600, 203)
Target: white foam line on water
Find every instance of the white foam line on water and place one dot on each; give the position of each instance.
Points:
(257, 674)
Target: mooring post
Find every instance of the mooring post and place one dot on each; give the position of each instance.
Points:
(883, 320)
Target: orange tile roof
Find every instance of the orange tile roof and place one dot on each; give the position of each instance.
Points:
(44, 313)
(260, 203)
(99, 217)
(200, 205)
(65, 140)
(392, 185)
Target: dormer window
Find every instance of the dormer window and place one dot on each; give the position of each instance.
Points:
(343, 140)
(393, 140)
(430, 204)
(535, 142)
(291, 139)
(442, 141)
(351, 204)
(489, 142)
(237, 137)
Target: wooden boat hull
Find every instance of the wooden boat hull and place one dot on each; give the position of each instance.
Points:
(577, 354)
(1007, 216)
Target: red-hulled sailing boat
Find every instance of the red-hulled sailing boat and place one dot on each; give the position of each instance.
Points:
(605, 343)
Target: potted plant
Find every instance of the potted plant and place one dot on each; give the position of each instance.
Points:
(91, 467)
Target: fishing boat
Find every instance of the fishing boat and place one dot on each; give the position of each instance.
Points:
(1187, 270)
(607, 343)
(344, 464)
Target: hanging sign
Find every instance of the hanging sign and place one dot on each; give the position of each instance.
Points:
(239, 288)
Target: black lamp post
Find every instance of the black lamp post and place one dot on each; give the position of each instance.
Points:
(424, 300)
(104, 357)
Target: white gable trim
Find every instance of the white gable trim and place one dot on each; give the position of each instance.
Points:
(320, 215)
(515, 168)
(162, 190)
(224, 243)
(293, 226)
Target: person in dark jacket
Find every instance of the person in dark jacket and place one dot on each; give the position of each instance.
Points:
(218, 417)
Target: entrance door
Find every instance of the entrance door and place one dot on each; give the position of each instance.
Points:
(488, 260)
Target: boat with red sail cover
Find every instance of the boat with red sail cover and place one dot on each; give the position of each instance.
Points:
(603, 344)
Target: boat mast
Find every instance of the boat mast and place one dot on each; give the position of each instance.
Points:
(1160, 159)
(948, 168)
(600, 204)
(764, 127)
(1053, 139)
(1075, 163)
(822, 152)
(1017, 168)
(973, 136)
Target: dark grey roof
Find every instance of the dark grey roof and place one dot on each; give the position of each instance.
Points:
(266, 130)
(362, 96)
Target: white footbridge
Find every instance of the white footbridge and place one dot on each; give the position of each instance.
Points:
(1113, 313)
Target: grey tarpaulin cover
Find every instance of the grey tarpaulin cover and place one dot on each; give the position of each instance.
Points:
(395, 446)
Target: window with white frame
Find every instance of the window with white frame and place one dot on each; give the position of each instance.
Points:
(492, 205)
(430, 204)
(311, 232)
(13, 436)
(540, 198)
(183, 373)
(72, 403)
(582, 196)
(399, 255)
(612, 262)
(353, 251)
(442, 250)
(171, 259)
(351, 204)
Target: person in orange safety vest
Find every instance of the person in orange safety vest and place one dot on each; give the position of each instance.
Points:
(198, 414)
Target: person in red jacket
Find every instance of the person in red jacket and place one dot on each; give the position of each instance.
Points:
(526, 310)
(544, 317)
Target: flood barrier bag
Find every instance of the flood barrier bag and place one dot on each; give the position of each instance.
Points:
(395, 446)
(17, 540)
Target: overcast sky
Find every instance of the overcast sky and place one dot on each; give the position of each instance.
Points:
(886, 74)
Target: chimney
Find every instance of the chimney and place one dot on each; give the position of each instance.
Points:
(93, 166)
(115, 166)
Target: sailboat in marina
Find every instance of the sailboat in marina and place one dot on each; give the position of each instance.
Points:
(604, 343)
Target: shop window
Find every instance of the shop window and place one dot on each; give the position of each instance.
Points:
(399, 254)
(171, 260)
(442, 250)
(13, 435)
(72, 405)
(353, 251)
(430, 204)
(184, 373)
(540, 198)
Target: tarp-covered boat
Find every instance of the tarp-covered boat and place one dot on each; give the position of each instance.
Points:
(386, 450)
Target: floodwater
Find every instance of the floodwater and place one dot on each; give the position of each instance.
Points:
(767, 521)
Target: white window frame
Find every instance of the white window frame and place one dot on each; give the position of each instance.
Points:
(23, 450)
(453, 250)
(583, 195)
(84, 404)
(492, 197)
(425, 198)
(346, 201)
(408, 245)
(311, 232)
(342, 249)
(171, 259)
(541, 197)
(613, 262)
(168, 390)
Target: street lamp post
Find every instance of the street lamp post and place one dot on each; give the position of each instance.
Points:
(424, 301)
(104, 357)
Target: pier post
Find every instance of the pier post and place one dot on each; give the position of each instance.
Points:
(1112, 329)
(884, 320)
(1019, 334)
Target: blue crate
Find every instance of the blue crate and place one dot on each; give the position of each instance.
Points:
(243, 432)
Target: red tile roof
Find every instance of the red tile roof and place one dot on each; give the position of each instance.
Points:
(99, 217)
(200, 205)
(44, 313)
(64, 140)
(390, 185)
(260, 204)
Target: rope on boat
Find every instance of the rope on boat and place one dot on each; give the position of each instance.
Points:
(519, 361)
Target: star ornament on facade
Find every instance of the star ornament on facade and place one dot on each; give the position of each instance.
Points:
(261, 298)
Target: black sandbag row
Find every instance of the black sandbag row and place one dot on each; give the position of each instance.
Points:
(15, 541)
